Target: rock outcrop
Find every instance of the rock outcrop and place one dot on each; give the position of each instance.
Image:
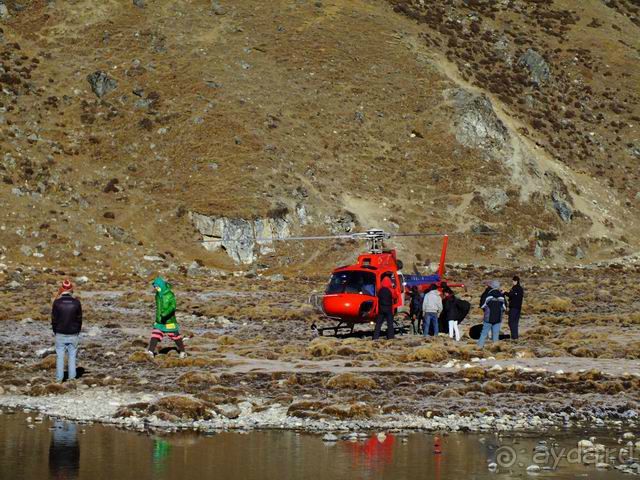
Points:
(478, 126)
(243, 240)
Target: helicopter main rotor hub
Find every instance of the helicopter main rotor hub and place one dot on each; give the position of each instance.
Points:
(375, 239)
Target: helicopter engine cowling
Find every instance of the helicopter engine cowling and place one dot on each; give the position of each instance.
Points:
(348, 306)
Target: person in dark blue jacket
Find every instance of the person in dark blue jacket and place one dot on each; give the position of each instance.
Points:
(494, 306)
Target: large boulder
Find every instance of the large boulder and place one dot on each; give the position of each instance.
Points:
(477, 124)
(539, 71)
(562, 208)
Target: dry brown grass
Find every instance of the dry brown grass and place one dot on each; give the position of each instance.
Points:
(182, 407)
(140, 357)
(473, 373)
(357, 410)
(560, 305)
(428, 353)
(351, 380)
(193, 381)
(321, 347)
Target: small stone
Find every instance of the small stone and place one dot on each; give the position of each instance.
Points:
(229, 411)
(585, 444)
(82, 280)
(492, 466)
(101, 83)
(603, 466)
(217, 8)
(628, 436)
(139, 3)
(4, 11)
(26, 250)
(329, 437)
(533, 468)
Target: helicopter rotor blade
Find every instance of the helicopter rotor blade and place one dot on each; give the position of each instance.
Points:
(440, 234)
(317, 237)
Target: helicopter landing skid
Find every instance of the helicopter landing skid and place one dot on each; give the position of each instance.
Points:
(335, 329)
(346, 329)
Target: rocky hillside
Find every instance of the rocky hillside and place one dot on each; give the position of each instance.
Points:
(131, 131)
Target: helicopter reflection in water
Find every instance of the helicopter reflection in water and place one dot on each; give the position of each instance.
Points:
(374, 453)
(64, 451)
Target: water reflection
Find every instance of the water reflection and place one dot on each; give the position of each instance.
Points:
(161, 451)
(51, 450)
(64, 451)
(373, 454)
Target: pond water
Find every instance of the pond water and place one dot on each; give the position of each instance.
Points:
(57, 449)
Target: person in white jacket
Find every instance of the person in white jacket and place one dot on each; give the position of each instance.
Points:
(431, 308)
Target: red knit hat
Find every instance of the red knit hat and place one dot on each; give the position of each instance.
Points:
(66, 286)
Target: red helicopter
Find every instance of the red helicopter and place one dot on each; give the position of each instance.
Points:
(350, 297)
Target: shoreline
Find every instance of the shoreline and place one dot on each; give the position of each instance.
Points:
(94, 406)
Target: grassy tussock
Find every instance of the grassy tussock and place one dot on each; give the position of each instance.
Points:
(351, 380)
(182, 407)
(428, 353)
(321, 347)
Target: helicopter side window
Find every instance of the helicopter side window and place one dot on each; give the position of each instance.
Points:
(352, 282)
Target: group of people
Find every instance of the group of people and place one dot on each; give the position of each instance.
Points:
(429, 308)
(433, 309)
(66, 323)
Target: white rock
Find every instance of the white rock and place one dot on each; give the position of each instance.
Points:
(585, 444)
(628, 436)
(153, 258)
(82, 280)
(492, 466)
(533, 468)
(329, 437)
(603, 466)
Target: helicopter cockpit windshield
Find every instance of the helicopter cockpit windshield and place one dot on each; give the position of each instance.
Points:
(358, 282)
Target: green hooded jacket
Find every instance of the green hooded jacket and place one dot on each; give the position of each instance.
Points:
(165, 307)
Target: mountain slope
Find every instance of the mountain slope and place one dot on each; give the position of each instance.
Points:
(457, 116)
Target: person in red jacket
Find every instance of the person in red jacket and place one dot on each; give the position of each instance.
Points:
(386, 300)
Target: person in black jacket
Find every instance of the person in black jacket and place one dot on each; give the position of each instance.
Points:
(385, 309)
(451, 312)
(66, 322)
(515, 297)
(415, 307)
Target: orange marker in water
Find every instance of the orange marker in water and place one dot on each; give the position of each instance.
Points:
(437, 447)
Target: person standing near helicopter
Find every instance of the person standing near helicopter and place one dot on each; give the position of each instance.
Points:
(431, 309)
(385, 309)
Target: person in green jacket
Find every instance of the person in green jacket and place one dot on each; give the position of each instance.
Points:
(165, 322)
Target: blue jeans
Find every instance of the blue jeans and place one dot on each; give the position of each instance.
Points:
(68, 343)
(430, 318)
(486, 328)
